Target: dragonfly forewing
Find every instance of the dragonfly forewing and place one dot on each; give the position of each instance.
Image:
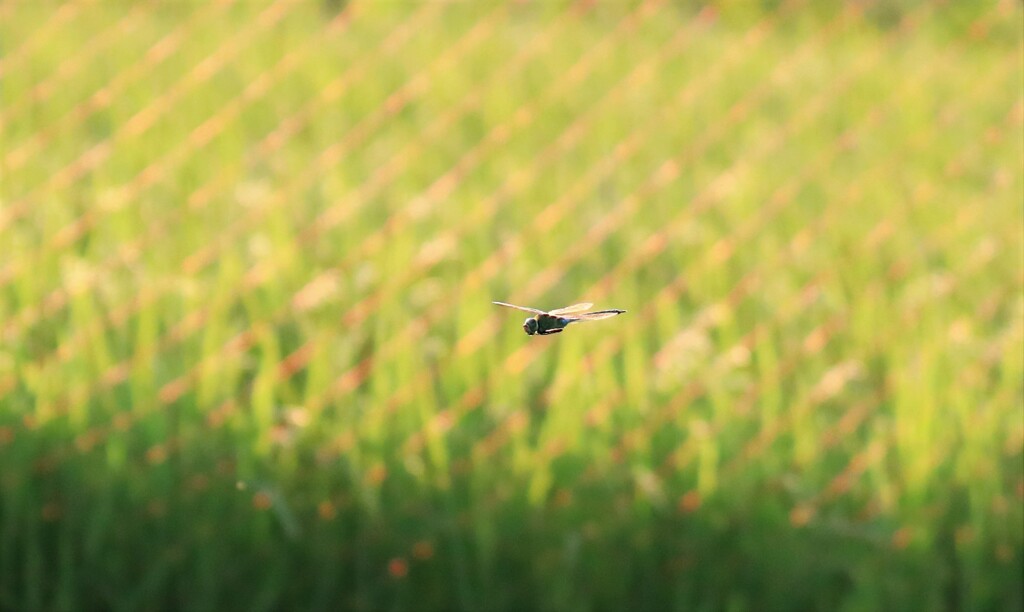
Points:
(597, 316)
(570, 309)
(523, 308)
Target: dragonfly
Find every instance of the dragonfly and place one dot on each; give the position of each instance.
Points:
(555, 321)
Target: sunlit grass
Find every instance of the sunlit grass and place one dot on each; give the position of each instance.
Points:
(249, 356)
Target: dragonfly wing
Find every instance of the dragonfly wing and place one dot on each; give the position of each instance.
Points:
(574, 308)
(523, 308)
(597, 316)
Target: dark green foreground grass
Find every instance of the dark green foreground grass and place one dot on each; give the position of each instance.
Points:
(248, 358)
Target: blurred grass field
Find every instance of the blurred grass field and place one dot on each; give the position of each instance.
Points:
(249, 359)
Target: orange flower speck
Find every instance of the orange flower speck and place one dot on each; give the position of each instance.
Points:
(51, 512)
(376, 474)
(261, 501)
(1004, 553)
(156, 454)
(398, 567)
(690, 501)
(901, 539)
(801, 515)
(423, 550)
(199, 482)
(326, 510)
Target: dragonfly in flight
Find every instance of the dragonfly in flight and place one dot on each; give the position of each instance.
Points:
(555, 321)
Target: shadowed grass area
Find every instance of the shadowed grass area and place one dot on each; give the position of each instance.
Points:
(249, 358)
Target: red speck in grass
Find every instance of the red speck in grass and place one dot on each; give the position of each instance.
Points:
(156, 508)
(901, 539)
(326, 510)
(690, 501)
(680, 564)
(563, 498)
(801, 515)
(597, 416)
(6, 435)
(86, 441)
(122, 421)
(461, 467)
(423, 550)
(965, 535)
(173, 390)
(295, 361)
(978, 30)
(157, 454)
(398, 567)
(261, 501)
(707, 15)
(199, 482)
(376, 474)
(226, 467)
(51, 511)
(45, 465)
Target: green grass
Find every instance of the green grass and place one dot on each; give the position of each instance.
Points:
(249, 359)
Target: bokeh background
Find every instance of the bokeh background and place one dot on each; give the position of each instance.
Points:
(249, 359)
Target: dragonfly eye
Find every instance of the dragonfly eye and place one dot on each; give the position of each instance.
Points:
(530, 326)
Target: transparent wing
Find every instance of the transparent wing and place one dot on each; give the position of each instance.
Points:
(597, 316)
(573, 308)
(524, 308)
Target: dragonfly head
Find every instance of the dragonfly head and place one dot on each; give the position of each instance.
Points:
(530, 326)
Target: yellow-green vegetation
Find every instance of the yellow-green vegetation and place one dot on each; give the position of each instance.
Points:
(248, 358)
